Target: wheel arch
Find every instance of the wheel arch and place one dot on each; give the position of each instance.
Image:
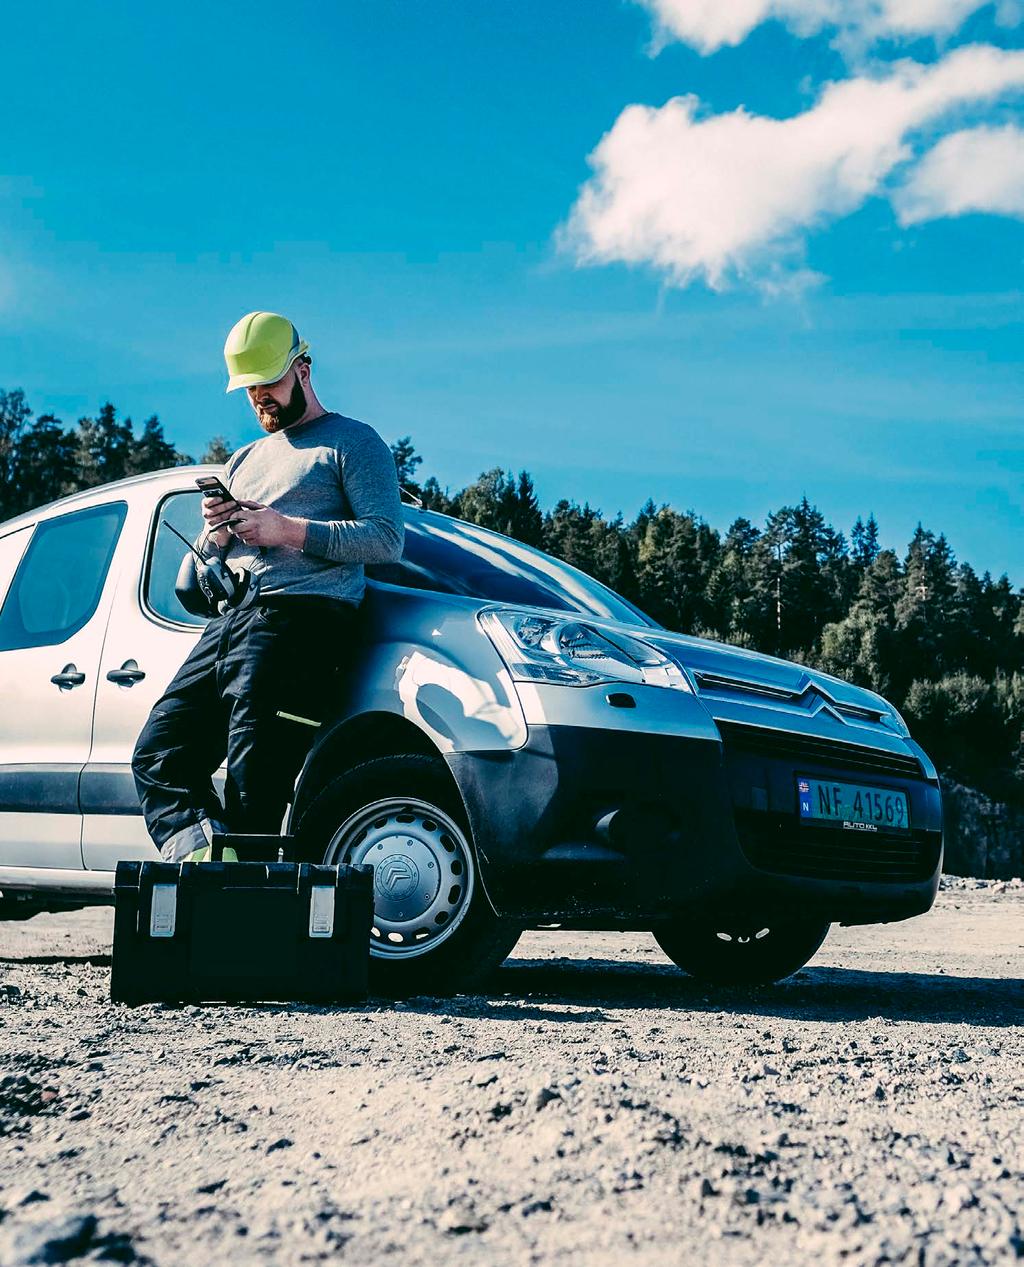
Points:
(378, 734)
(357, 739)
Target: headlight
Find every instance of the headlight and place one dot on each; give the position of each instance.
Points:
(566, 651)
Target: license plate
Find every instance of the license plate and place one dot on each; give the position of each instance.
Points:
(853, 806)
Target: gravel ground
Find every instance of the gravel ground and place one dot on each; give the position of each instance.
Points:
(596, 1107)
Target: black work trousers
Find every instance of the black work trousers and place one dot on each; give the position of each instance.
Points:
(245, 694)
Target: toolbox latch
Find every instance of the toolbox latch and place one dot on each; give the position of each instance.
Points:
(163, 910)
(321, 910)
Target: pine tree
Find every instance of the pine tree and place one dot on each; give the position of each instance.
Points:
(434, 498)
(644, 516)
(217, 451)
(568, 534)
(406, 462)
(1004, 608)
(734, 610)
(882, 585)
(527, 521)
(104, 447)
(47, 463)
(614, 560)
(151, 451)
(676, 556)
(490, 501)
(810, 574)
(864, 544)
(925, 609)
(14, 414)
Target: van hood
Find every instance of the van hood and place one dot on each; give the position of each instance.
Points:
(737, 684)
(716, 663)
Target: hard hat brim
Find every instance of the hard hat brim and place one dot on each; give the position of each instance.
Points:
(258, 379)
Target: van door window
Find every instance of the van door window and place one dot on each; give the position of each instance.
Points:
(184, 512)
(59, 581)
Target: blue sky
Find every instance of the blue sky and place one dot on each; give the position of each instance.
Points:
(397, 178)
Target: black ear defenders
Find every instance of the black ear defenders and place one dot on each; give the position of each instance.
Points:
(208, 587)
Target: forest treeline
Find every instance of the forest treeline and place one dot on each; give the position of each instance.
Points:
(41, 459)
(943, 643)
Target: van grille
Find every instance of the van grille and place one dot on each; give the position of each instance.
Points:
(777, 844)
(717, 683)
(767, 742)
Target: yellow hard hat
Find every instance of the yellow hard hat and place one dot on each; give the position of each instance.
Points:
(260, 348)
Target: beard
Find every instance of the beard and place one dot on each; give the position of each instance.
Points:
(284, 415)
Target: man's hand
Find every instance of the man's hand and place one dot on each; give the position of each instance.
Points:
(259, 525)
(217, 511)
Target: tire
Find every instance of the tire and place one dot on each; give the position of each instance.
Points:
(741, 951)
(435, 932)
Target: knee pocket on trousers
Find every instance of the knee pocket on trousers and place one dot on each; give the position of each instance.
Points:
(147, 754)
(270, 723)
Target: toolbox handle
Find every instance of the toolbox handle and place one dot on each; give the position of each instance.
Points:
(255, 847)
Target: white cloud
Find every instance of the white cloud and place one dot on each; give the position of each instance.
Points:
(710, 24)
(731, 195)
(978, 169)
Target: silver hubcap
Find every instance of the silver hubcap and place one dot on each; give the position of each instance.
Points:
(423, 873)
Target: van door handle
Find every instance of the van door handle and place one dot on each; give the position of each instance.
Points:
(127, 675)
(68, 677)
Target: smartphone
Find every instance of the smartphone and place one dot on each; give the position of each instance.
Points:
(213, 486)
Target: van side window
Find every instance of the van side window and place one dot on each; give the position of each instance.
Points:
(59, 581)
(184, 512)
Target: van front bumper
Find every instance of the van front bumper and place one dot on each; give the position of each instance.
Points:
(587, 827)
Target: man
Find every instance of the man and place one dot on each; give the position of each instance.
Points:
(311, 503)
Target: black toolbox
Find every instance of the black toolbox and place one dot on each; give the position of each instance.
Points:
(256, 930)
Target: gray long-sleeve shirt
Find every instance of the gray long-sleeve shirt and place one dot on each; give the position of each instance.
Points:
(339, 474)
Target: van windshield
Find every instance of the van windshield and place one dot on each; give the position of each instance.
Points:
(454, 557)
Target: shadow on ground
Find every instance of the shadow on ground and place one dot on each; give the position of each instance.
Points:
(601, 986)
(95, 961)
(531, 989)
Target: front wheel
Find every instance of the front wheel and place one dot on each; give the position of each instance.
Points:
(434, 931)
(747, 951)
